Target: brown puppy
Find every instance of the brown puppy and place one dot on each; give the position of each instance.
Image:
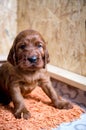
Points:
(24, 70)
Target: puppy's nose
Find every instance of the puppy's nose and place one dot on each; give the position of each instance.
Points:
(32, 59)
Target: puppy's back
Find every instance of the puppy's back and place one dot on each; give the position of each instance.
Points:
(5, 79)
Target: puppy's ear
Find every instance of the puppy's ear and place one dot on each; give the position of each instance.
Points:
(46, 58)
(11, 56)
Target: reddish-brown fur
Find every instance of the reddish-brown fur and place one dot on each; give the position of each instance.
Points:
(24, 70)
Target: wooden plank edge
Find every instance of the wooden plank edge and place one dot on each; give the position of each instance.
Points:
(67, 77)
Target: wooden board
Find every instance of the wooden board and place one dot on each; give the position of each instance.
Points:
(67, 77)
(63, 25)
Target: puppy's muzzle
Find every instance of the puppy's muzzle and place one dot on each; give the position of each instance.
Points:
(33, 59)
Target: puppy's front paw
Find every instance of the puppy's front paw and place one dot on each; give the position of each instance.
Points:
(22, 114)
(64, 105)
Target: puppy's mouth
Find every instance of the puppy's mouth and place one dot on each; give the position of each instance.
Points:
(30, 63)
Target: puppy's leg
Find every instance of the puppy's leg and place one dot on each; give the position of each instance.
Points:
(19, 107)
(51, 93)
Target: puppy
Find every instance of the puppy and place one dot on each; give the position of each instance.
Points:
(24, 70)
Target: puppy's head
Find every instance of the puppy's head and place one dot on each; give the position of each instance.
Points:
(29, 51)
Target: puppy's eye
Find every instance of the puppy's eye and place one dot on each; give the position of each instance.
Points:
(23, 46)
(39, 45)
